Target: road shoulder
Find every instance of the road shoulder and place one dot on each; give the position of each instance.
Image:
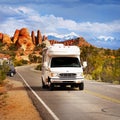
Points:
(15, 103)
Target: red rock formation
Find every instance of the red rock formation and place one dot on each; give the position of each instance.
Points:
(33, 37)
(1, 37)
(6, 39)
(78, 41)
(44, 38)
(16, 36)
(39, 37)
(82, 42)
(24, 40)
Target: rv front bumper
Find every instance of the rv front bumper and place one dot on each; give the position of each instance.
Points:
(67, 81)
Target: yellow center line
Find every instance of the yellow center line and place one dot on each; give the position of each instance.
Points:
(103, 96)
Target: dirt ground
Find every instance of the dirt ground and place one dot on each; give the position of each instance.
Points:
(15, 103)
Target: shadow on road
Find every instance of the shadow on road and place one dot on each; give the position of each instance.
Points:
(35, 88)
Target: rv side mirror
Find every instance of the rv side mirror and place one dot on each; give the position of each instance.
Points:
(84, 64)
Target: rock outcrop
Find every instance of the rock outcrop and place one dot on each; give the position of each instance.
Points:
(5, 39)
(23, 39)
(39, 37)
(1, 37)
(80, 41)
(16, 36)
(33, 38)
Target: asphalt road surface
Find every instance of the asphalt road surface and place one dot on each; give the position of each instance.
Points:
(99, 101)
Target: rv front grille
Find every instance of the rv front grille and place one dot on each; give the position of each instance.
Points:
(67, 75)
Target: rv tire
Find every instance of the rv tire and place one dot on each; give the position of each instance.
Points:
(81, 86)
(51, 86)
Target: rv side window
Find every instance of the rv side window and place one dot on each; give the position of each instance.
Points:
(65, 62)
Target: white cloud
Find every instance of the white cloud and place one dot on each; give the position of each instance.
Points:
(27, 17)
(106, 38)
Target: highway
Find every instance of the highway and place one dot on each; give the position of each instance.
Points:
(98, 101)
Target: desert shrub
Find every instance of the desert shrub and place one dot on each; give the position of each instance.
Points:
(4, 68)
(35, 59)
(13, 47)
(116, 82)
(2, 76)
(111, 70)
(39, 67)
(17, 63)
(20, 62)
(24, 62)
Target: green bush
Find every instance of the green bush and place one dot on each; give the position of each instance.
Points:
(17, 63)
(3, 70)
(20, 62)
(2, 76)
(35, 59)
(116, 82)
(24, 62)
(39, 67)
(111, 70)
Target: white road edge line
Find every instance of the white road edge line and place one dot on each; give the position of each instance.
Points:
(40, 100)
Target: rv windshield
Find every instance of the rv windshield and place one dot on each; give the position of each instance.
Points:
(65, 62)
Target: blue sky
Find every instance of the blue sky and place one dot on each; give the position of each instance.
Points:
(98, 21)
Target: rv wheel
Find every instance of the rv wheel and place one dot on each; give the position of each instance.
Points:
(81, 86)
(51, 86)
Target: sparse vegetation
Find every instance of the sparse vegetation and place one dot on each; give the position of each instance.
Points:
(13, 47)
(20, 62)
(3, 70)
(35, 59)
(103, 64)
(39, 67)
(2, 76)
(40, 47)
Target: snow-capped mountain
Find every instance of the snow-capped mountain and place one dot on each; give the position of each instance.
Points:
(61, 37)
(99, 41)
(110, 42)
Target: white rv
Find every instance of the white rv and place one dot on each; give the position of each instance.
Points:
(62, 66)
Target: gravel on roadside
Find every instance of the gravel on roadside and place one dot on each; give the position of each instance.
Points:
(15, 103)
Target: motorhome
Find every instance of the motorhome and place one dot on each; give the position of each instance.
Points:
(61, 66)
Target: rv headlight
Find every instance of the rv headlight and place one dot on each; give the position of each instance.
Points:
(54, 75)
(80, 74)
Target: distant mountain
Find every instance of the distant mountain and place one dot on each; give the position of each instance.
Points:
(107, 42)
(80, 41)
(54, 36)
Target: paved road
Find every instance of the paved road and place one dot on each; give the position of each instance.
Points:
(99, 101)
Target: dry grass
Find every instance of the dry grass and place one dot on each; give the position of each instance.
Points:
(15, 103)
